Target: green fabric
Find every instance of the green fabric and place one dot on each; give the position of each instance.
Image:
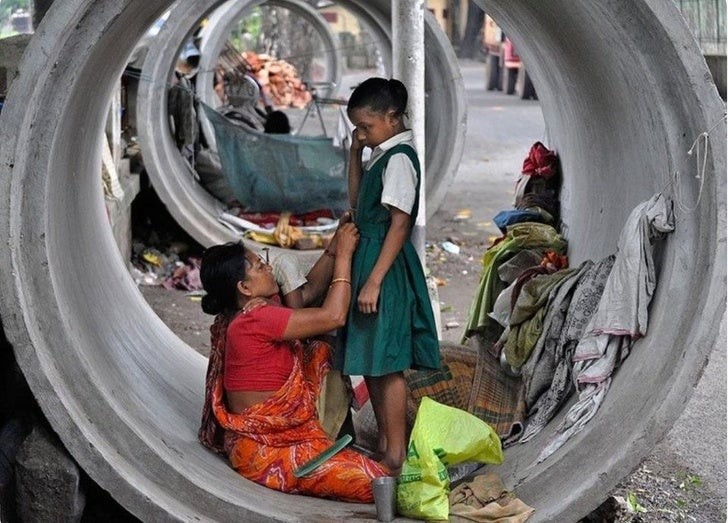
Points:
(402, 333)
(277, 172)
(526, 320)
(520, 236)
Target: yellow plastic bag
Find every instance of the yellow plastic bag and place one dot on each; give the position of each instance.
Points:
(441, 437)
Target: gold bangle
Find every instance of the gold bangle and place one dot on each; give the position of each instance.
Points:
(335, 280)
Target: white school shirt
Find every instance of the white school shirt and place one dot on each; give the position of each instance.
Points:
(399, 179)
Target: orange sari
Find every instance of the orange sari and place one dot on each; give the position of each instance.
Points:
(268, 441)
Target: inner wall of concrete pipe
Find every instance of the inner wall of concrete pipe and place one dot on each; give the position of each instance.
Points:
(193, 207)
(624, 93)
(216, 33)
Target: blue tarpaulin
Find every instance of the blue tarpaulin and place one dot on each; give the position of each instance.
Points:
(273, 172)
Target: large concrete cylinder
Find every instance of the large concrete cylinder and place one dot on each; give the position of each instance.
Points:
(193, 207)
(624, 93)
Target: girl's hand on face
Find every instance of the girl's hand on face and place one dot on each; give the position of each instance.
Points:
(254, 304)
(347, 238)
(357, 141)
(368, 298)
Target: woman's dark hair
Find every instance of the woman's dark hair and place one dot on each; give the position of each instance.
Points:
(277, 123)
(379, 95)
(221, 268)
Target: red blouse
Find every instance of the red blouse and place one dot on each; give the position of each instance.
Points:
(256, 356)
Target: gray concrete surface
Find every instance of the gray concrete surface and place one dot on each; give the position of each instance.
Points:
(124, 393)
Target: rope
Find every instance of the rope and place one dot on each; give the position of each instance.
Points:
(699, 149)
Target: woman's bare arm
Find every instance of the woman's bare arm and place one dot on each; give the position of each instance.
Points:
(332, 314)
(318, 278)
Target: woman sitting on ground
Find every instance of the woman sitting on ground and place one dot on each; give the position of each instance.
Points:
(260, 405)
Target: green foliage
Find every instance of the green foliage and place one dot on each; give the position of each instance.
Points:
(250, 24)
(8, 7)
(633, 505)
(690, 481)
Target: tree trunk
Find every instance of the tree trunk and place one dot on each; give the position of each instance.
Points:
(470, 45)
(453, 13)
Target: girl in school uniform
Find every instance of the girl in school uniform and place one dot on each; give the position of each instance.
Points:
(391, 326)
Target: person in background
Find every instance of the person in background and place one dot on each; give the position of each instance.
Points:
(263, 381)
(391, 326)
(181, 103)
(277, 123)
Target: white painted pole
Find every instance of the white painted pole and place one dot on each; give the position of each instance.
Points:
(408, 57)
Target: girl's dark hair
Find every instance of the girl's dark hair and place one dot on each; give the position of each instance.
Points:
(379, 95)
(221, 268)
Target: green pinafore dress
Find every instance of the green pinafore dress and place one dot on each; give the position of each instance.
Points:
(402, 333)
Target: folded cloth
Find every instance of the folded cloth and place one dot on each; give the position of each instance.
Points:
(547, 378)
(485, 499)
(505, 218)
(519, 237)
(620, 318)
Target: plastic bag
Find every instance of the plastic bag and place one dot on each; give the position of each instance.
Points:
(441, 437)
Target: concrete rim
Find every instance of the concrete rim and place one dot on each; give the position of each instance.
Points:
(194, 208)
(125, 394)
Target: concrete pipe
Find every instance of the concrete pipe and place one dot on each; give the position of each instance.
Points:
(624, 92)
(190, 204)
(217, 31)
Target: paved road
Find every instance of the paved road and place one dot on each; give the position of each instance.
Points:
(501, 129)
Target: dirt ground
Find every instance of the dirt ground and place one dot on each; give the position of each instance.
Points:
(670, 484)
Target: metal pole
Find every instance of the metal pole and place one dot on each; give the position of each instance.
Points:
(408, 60)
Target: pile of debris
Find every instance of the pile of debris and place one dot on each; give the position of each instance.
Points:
(278, 80)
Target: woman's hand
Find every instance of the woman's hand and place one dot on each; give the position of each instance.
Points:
(368, 297)
(344, 219)
(347, 237)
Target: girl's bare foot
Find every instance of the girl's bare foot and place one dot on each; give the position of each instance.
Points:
(394, 465)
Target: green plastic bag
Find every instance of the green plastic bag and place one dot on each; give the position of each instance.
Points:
(442, 436)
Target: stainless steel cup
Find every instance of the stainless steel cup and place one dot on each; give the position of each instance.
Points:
(385, 497)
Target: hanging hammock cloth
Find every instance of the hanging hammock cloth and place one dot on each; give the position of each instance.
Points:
(274, 172)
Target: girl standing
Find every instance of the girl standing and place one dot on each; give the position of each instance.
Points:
(390, 326)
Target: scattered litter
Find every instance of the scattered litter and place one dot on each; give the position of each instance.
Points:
(464, 272)
(439, 281)
(484, 225)
(446, 308)
(462, 214)
(452, 325)
(451, 247)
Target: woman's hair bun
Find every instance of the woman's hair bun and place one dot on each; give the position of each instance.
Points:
(210, 305)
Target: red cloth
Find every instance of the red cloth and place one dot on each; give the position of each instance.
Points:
(270, 219)
(541, 162)
(256, 356)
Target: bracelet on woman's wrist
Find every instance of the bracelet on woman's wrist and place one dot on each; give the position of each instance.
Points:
(337, 280)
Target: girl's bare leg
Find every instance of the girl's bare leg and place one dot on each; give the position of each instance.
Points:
(375, 395)
(391, 403)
